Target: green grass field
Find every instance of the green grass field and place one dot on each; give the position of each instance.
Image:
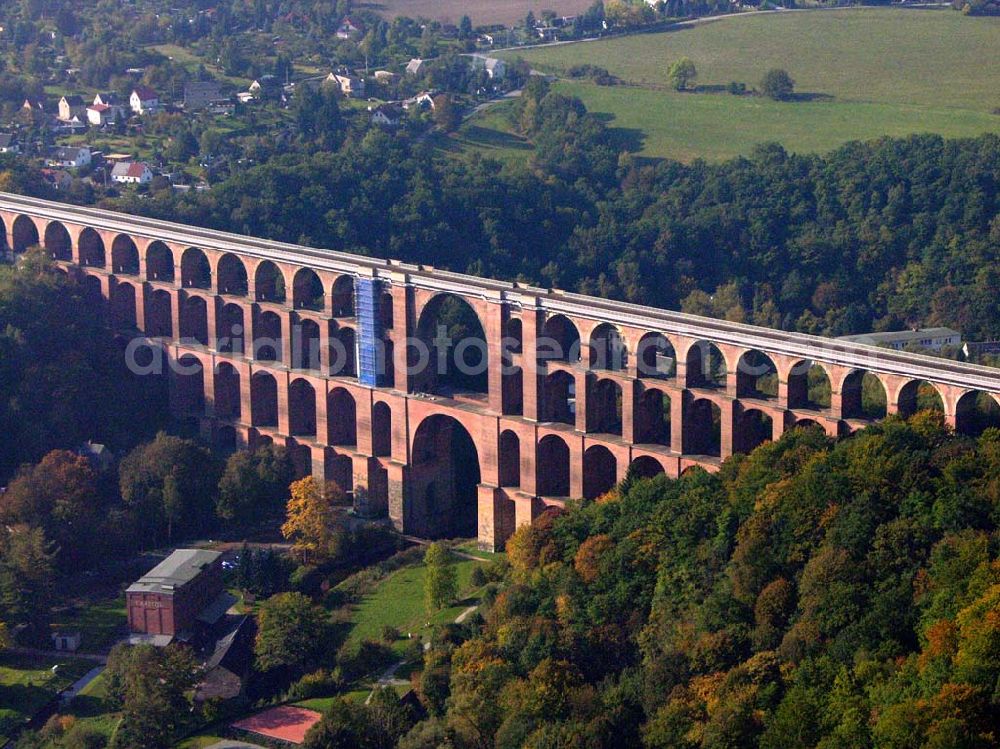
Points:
(398, 601)
(27, 684)
(861, 73)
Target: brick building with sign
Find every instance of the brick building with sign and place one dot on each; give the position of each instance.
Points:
(174, 598)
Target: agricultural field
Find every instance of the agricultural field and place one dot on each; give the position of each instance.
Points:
(859, 73)
(481, 12)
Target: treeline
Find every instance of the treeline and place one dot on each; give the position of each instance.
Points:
(881, 235)
(812, 594)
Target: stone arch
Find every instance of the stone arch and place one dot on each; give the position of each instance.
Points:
(807, 424)
(552, 466)
(919, 395)
(512, 390)
(232, 276)
(645, 467)
(25, 234)
(341, 418)
(604, 407)
(196, 271)
(307, 290)
(976, 411)
(57, 241)
(344, 353)
(193, 318)
(706, 366)
(809, 386)
(462, 366)
(190, 385)
(267, 338)
(228, 404)
(863, 396)
(385, 306)
(753, 429)
(559, 398)
(91, 247)
(756, 376)
(124, 256)
(269, 283)
(559, 341)
(159, 262)
(92, 290)
(301, 408)
(232, 329)
(655, 357)
(300, 456)
(306, 345)
(703, 428)
(381, 429)
(123, 305)
(607, 348)
(444, 478)
(653, 418)
(513, 334)
(342, 297)
(600, 469)
(263, 400)
(510, 458)
(338, 469)
(159, 314)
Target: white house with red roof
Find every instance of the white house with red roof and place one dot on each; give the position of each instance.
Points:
(144, 100)
(131, 173)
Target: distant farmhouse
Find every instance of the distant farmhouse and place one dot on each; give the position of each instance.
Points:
(348, 85)
(387, 115)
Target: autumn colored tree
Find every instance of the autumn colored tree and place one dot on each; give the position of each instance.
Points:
(311, 523)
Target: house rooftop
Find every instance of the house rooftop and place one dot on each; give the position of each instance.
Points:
(174, 572)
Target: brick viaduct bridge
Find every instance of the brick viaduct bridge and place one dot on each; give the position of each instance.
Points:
(321, 351)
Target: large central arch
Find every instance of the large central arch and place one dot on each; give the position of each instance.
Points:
(454, 358)
(442, 499)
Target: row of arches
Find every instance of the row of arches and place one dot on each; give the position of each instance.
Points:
(307, 291)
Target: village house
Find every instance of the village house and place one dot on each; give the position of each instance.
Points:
(69, 157)
(350, 29)
(385, 76)
(422, 101)
(201, 94)
(416, 66)
(144, 100)
(265, 87)
(8, 143)
(33, 105)
(387, 115)
(71, 107)
(131, 173)
(99, 115)
(57, 178)
(348, 84)
(495, 68)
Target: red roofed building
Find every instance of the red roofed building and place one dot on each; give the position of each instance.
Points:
(144, 100)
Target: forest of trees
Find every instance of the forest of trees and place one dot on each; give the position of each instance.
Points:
(813, 594)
